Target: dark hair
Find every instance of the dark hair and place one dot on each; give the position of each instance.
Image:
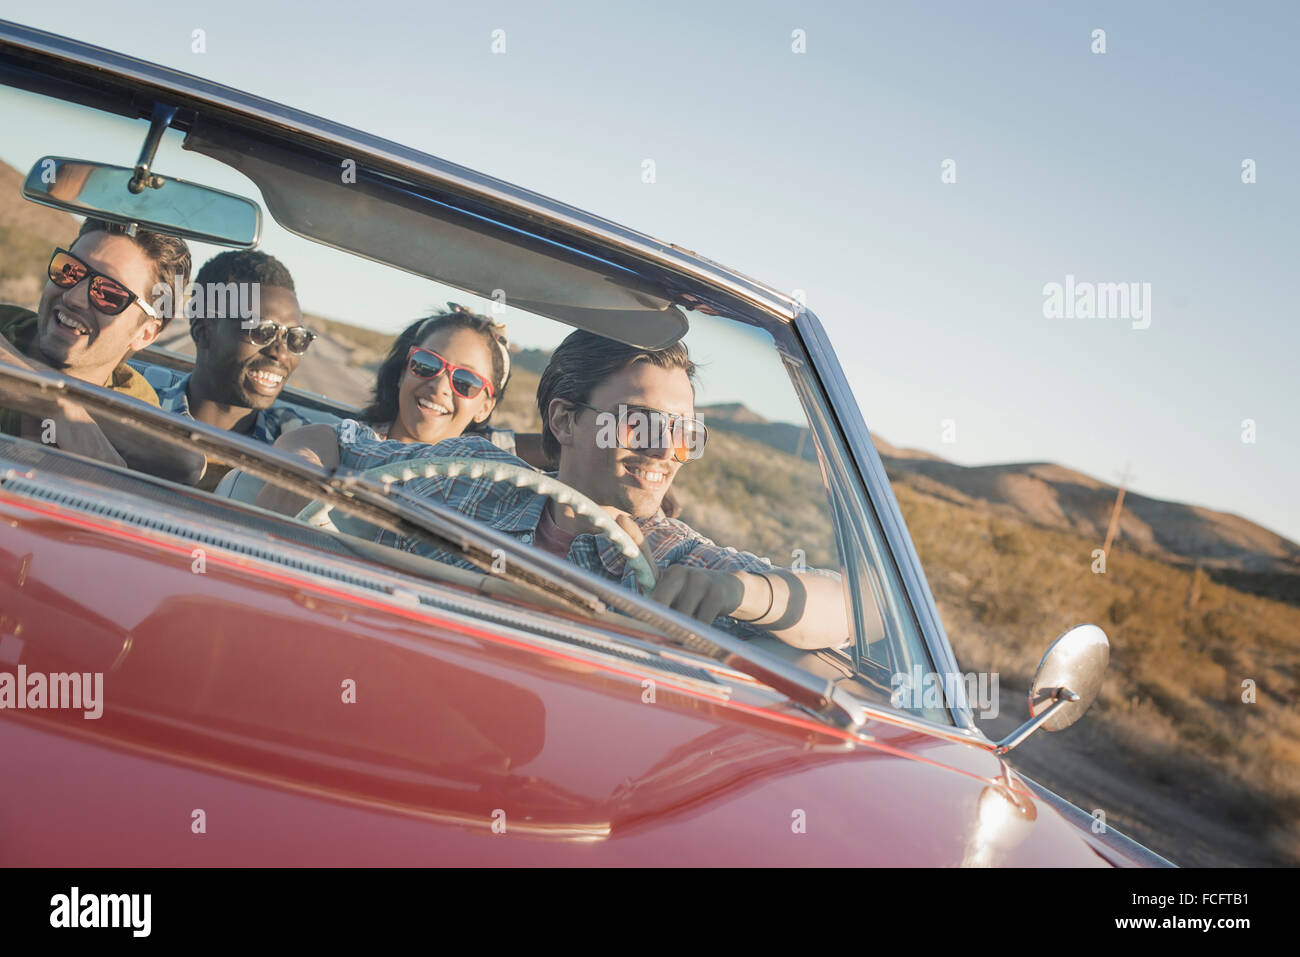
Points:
(170, 254)
(238, 266)
(383, 403)
(245, 265)
(583, 361)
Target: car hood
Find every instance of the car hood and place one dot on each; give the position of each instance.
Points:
(906, 797)
(456, 725)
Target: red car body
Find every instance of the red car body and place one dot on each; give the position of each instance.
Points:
(279, 710)
(465, 745)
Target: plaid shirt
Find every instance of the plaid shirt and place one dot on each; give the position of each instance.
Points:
(516, 511)
(503, 439)
(270, 424)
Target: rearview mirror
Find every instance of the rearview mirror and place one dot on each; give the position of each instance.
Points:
(164, 205)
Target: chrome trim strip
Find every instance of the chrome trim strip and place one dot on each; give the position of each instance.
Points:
(970, 736)
(881, 494)
(576, 832)
(1118, 844)
(403, 160)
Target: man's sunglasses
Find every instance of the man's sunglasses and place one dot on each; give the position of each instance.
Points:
(106, 294)
(296, 338)
(427, 364)
(639, 428)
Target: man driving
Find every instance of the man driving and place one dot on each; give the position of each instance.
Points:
(594, 397)
(94, 313)
(618, 423)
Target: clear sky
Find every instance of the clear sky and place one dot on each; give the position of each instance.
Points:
(821, 171)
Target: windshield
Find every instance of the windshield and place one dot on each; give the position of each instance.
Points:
(650, 434)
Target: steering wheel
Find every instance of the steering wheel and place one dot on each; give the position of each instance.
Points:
(404, 470)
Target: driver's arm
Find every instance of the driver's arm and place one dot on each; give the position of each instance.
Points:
(803, 609)
(319, 445)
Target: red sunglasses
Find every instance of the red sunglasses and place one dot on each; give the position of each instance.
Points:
(465, 382)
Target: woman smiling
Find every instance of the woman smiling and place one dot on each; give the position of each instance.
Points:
(441, 379)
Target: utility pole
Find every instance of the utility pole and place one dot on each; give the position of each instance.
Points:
(1124, 478)
(1194, 587)
(803, 435)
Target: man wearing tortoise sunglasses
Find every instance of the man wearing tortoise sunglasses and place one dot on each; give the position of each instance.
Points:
(241, 364)
(94, 314)
(619, 424)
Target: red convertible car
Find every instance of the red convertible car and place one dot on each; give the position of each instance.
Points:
(188, 677)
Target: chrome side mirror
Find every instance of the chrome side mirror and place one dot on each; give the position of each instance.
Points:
(1066, 683)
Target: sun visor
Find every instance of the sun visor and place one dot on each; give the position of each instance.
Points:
(393, 223)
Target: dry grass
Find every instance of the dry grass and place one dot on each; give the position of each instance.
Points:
(745, 494)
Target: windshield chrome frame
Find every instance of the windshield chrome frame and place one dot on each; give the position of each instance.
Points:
(889, 517)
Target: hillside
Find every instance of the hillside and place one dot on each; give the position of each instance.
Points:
(28, 235)
(1231, 548)
(1057, 497)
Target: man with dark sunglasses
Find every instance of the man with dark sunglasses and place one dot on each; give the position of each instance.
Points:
(95, 312)
(241, 361)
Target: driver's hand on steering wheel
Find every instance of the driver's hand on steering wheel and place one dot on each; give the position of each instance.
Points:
(701, 593)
